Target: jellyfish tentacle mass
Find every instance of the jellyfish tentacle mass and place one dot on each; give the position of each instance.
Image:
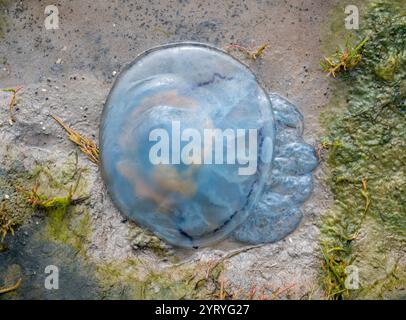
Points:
(278, 212)
(192, 149)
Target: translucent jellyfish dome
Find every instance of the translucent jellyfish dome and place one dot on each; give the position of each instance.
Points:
(187, 139)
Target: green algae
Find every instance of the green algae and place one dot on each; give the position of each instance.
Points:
(57, 190)
(136, 278)
(334, 34)
(196, 281)
(119, 280)
(139, 279)
(369, 131)
(66, 227)
(51, 186)
(159, 286)
(52, 193)
(69, 226)
(13, 203)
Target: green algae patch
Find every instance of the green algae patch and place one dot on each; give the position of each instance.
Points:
(14, 210)
(366, 226)
(58, 191)
(69, 226)
(192, 281)
(119, 280)
(140, 279)
(334, 33)
(54, 192)
(168, 286)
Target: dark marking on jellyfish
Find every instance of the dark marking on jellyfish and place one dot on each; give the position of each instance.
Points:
(261, 143)
(185, 234)
(226, 222)
(237, 211)
(213, 78)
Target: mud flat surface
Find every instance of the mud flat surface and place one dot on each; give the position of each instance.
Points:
(68, 72)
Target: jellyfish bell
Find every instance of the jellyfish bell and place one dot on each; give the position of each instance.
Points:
(216, 104)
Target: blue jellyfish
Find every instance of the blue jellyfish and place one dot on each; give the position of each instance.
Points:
(194, 149)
